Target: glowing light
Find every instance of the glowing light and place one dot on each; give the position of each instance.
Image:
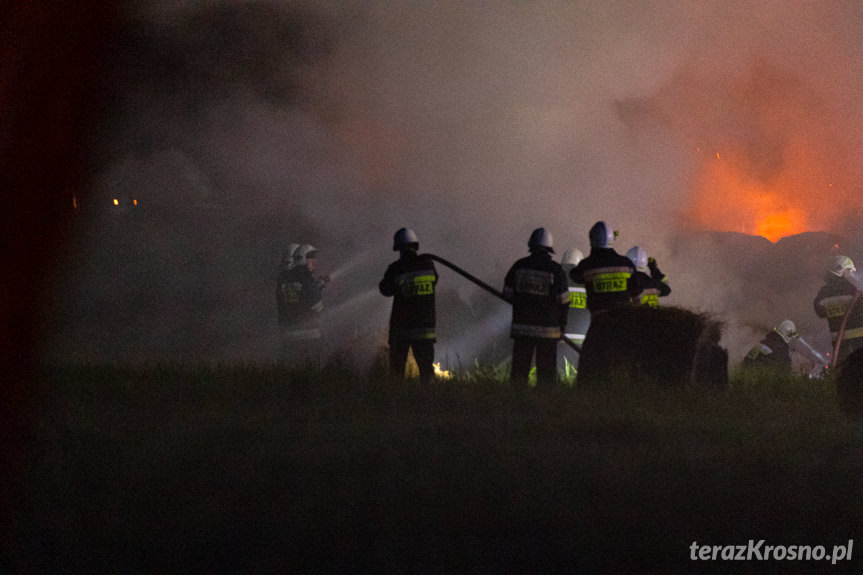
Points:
(777, 225)
(116, 202)
(135, 202)
(729, 199)
(441, 373)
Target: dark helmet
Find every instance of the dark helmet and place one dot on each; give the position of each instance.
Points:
(405, 239)
(601, 235)
(540, 238)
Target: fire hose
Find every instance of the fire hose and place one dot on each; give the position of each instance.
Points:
(842, 328)
(489, 289)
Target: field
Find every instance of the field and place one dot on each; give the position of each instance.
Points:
(263, 469)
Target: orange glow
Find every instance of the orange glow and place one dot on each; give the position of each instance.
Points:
(116, 202)
(730, 200)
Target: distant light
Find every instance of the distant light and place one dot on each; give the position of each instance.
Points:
(75, 202)
(116, 202)
(135, 202)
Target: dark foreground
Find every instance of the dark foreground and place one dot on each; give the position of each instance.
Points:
(264, 470)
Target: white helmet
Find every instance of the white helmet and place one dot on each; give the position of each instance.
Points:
(405, 238)
(838, 265)
(787, 330)
(540, 238)
(638, 257)
(303, 253)
(288, 256)
(601, 235)
(572, 257)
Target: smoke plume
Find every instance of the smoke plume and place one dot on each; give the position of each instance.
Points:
(241, 127)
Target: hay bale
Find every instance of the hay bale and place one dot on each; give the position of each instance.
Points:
(849, 385)
(665, 346)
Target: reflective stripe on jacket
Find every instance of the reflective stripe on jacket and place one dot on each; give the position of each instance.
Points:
(537, 288)
(608, 278)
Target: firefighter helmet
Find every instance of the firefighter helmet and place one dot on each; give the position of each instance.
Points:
(288, 256)
(572, 257)
(787, 330)
(601, 235)
(638, 257)
(405, 239)
(303, 254)
(540, 238)
(838, 265)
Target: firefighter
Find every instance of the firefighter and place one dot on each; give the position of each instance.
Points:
(538, 290)
(411, 282)
(608, 277)
(304, 302)
(286, 265)
(578, 318)
(772, 353)
(839, 301)
(650, 287)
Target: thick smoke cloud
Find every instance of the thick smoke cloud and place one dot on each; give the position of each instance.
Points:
(241, 127)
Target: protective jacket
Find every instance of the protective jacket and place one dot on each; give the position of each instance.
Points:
(770, 353)
(301, 302)
(608, 277)
(651, 287)
(411, 282)
(538, 290)
(578, 317)
(832, 302)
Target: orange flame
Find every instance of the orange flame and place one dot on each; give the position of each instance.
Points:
(729, 199)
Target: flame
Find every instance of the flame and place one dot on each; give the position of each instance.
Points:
(729, 199)
(441, 373)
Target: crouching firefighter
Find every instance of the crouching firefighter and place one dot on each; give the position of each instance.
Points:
(538, 290)
(411, 282)
(772, 353)
(301, 300)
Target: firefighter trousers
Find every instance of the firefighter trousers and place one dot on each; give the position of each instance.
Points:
(546, 360)
(423, 354)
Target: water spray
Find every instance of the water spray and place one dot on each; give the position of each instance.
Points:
(349, 266)
(813, 351)
(489, 289)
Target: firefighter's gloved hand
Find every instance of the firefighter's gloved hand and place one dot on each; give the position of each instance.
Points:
(651, 264)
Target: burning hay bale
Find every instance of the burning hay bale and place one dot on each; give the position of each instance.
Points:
(665, 346)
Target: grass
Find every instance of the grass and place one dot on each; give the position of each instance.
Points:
(230, 469)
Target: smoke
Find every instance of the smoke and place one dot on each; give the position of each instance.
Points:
(244, 126)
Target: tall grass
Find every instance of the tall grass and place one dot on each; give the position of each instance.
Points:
(265, 469)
